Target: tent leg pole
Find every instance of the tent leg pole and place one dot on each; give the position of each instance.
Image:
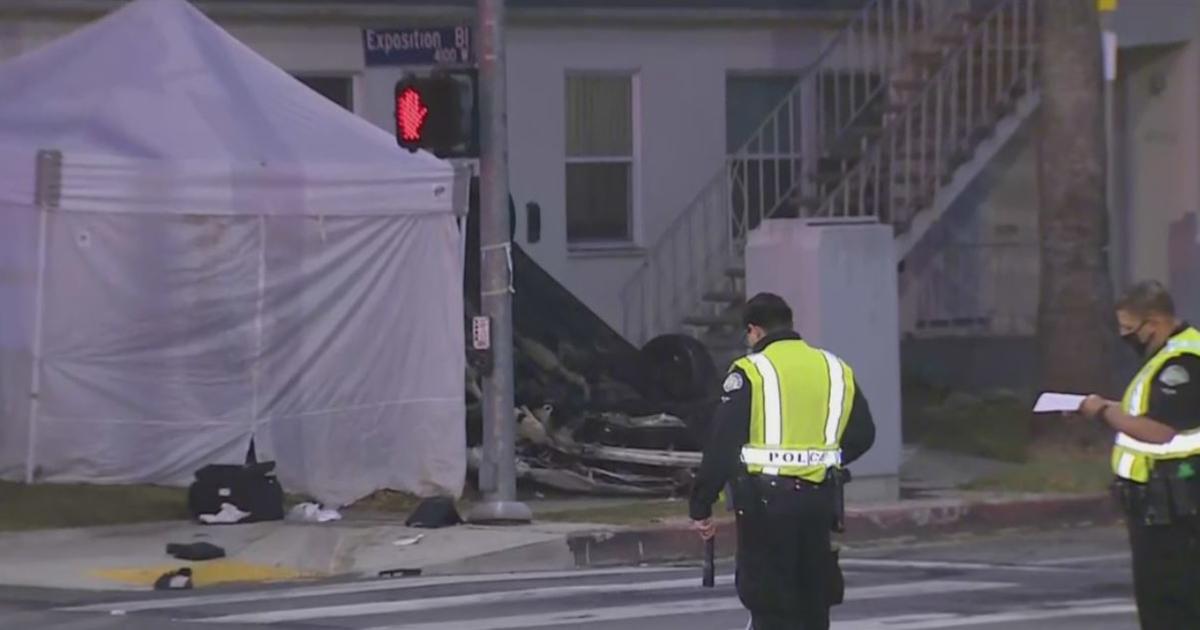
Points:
(498, 471)
(256, 364)
(35, 381)
(48, 195)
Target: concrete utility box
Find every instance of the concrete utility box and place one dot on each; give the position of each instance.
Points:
(840, 280)
(1183, 262)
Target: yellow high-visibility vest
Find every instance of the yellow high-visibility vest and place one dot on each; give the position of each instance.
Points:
(801, 400)
(1133, 459)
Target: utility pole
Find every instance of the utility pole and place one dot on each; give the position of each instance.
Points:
(497, 473)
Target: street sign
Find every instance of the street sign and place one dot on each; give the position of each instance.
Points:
(417, 46)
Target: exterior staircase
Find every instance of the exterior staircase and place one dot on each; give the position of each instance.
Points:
(897, 115)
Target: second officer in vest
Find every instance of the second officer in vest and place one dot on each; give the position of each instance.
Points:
(1157, 457)
(791, 416)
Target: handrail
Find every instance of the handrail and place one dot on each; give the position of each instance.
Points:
(805, 72)
(820, 141)
(920, 111)
(701, 204)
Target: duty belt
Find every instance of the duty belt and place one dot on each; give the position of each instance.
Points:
(782, 457)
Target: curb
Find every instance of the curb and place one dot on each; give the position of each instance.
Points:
(964, 515)
(675, 541)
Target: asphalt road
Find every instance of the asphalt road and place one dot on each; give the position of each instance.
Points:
(1065, 580)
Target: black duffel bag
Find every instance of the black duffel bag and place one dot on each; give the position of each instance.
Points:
(250, 488)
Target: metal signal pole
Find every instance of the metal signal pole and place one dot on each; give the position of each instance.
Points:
(497, 474)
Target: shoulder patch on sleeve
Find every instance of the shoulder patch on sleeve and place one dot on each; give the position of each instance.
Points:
(1174, 376)
(733, 382)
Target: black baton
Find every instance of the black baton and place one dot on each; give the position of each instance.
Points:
(710, 569)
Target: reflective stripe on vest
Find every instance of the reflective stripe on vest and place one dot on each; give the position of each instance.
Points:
(801, 398)
(785, 457)
(1133, 459)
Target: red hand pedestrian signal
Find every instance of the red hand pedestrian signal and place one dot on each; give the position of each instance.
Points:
(411, 113)
(436, 113)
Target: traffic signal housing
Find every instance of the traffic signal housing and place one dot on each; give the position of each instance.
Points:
(438, 113)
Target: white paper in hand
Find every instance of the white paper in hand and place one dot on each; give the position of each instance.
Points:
(1050, 402)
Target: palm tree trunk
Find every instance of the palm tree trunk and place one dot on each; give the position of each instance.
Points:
(1075, 322)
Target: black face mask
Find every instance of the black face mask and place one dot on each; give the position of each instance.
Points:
(1132, 340)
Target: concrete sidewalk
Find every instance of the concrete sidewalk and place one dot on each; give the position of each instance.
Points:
(132, 557)
(366, 545)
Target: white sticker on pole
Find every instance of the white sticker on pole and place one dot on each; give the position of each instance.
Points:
(1109, 40)
(481, 333)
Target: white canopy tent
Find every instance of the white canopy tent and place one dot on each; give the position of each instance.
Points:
(206, 252)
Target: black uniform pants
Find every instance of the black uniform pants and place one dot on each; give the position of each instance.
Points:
(783, 557)
(1166, 573)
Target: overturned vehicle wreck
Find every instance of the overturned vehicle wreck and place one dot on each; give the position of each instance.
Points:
(594, 414)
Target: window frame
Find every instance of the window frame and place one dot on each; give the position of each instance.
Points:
(633, 160)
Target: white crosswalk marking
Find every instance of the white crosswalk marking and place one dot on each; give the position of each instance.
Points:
(934, 621)
(964, 566)
(684, 607)
(1082, 560)
(349, 588)
(454, 601)
(1081, 608)
(587, 615)
(910, 595)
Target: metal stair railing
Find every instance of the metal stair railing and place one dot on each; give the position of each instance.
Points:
(777, 171)
(939, 128)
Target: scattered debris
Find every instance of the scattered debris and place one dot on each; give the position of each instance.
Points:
(400, 572)
(670, 459)
(578, 459)
(174, 580)
(594, 481)
(195, 552)
(531, 428)
(310, 512)
(594, 414)
(412, 540)
(229, 514)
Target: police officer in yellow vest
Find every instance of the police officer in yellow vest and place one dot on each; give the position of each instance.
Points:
(790, 413)
(1157, 457)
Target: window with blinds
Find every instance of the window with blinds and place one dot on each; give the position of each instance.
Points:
(599, 157)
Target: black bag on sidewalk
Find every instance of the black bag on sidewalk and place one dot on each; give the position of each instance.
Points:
(251, 488)
(434, 512)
